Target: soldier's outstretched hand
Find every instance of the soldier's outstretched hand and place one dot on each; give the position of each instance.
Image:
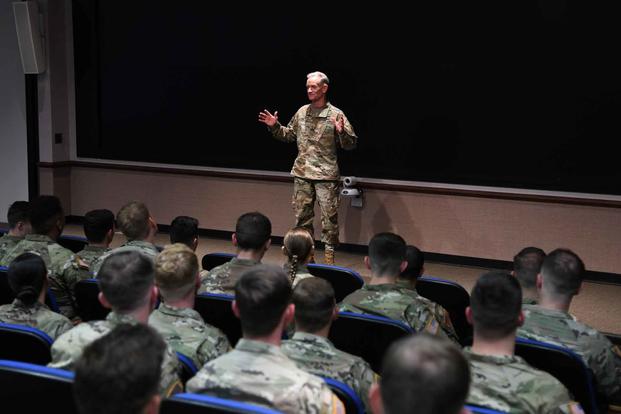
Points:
(267, 118)
(339, 123)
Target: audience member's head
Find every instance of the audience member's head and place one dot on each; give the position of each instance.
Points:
(135, 221)
(495, 306)
(120, 372)
(126, 280)
(47, 216)
(27, 276)
(299, 247)
(315, 306)
(18, 218)
(416, 261)
(263, 301)
(252, 231)
(99, 226)
(422, 374)
(562, 272)
(176, 272)
(184, 229)
(386, 255)
(527, 265)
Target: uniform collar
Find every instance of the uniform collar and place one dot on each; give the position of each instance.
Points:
(179, 312)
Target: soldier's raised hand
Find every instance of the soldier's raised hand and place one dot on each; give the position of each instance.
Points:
(267, 118)
(339, 123)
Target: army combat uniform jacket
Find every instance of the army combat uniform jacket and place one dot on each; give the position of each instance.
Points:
(222, 279)
(37, 316)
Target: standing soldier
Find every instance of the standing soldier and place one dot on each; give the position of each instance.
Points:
(317, 127)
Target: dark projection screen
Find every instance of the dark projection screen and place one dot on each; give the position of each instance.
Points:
(523, 95)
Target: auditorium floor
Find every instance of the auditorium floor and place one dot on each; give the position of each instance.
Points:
(598, 305)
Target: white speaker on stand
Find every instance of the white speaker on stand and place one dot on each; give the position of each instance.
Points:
(29, 36)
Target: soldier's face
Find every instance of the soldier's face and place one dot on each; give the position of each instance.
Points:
(315, 89)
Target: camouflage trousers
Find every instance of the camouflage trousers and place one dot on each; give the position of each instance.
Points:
(305, 192)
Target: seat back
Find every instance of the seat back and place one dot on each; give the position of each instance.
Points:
(26, 344)
(7, 295)
(353, 404)
(31, 388)
(452, 297)
(567, 366)
(73, 243)
(482, 410)
(188, 368)
(188, 403)
(367, 336)
(211, 260)
(215, 308)
(343, 280)
(87, 299)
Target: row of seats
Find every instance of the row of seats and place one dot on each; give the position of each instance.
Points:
(53, 388)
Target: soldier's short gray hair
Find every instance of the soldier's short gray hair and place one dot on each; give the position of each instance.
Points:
(323, 78)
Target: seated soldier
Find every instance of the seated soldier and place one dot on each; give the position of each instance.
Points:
(18, 218)
(252, 238)
(184, 229)
(422, 374)
(99, 231)
(299, 248)
(65, 268)
(28, 280)
(526, 267)
(310, 348)
(414, 269)
(136, 223)
(501, 380)
(257, 371)
(183, 328)
(120, 372)
(126, 280)
(550, 321)
(383, 297)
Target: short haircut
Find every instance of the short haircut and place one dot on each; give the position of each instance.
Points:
(562, 272)
(125, 279)
(387, 252)
(26, 275)
(97, 223)
(323, 78)
(424, 374)
(527, 264)
(416, 259)
(45, 210)
(176, 270)
(133, 220)
(120, 371)
(496, 302)
(183, 229)
(252, 231)
(262, 294)
(314, 304)
(18, 211)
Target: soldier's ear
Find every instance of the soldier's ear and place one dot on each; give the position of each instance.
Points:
(539, 282)
(288, 315)
(404, 265)
(235, 309)
(234, 239)
(367, 262)
(468, 312)
(375, 399)
(104, 302)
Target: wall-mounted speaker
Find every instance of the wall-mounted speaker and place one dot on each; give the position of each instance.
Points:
(29, 36)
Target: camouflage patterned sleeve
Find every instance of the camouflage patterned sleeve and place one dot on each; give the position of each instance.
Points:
(212, 347)
(611, 380)
(446, 324)
(571, 408)
(423, 318)
(288, 133)
(348, 139)
(330, 403)
(169, 382)
(364, 378)
(60, 327)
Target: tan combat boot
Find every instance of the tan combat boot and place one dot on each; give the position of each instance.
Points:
(328, 255)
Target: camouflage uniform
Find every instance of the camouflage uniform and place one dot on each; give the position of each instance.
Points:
(560, 328)
(90, 253)
(186, 332)
(508, 384)
(317, 355)
(68, 348)
(394, 302)
(301, 273)
(315, 169)
(63, 267)
(37, 316)
(222, 279)
(259, 373)
(7, 243)
(529, 301)
(140, 246)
